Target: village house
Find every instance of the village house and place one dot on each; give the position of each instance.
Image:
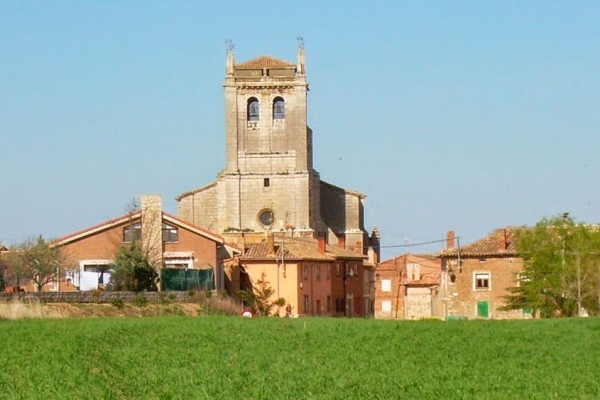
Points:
(407, 287)
(314, 278)
(475, 277)
(186, 251)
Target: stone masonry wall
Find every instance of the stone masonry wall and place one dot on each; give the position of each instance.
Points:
(86, 297)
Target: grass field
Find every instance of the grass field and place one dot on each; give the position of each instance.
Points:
(269, 358)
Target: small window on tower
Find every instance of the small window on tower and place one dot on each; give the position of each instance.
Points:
(278, 108)
(267, 182)
(253, 109)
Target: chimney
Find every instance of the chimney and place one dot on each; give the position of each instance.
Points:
(322, 245)
(151, 206)
(450, 240)
(502, 243)
(342, 241)
(270, 243)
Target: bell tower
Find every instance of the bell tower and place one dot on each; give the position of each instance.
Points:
(265, 108)
(269, 171)
(268, 182)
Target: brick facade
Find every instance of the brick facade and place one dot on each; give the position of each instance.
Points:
(188, 246)
(476, 276)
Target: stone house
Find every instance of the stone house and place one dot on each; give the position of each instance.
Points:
(407, 287)
(475, 277)
(269, 182)
(313, 277)
(169, 242)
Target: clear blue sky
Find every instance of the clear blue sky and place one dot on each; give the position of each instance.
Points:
(464, 115)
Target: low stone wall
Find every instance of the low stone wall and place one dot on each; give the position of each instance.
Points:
(90, 297)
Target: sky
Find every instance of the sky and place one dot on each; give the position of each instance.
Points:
(449, 115)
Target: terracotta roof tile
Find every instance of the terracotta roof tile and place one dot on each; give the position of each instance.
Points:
(264, 62)
(430, 279)
(498, 243)
(294, 248)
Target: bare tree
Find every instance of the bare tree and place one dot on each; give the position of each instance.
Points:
(36, 259)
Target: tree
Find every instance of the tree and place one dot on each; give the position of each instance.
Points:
(562, 268)
(133, 270)
(3, 268)
(36, 259)
(259, 297)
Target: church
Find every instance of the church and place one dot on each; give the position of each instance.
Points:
(268, 184)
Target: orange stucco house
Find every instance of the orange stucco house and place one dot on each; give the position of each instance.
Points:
(314, 278)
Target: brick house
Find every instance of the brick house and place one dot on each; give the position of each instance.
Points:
(475, 277)
(314, 278)
(407, 287)
(169, 242)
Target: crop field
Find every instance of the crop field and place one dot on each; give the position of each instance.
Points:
(217, 357)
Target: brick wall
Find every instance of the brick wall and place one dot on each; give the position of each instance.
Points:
(463, 296)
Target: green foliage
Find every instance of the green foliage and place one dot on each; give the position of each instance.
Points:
(118, 303)
(140, 300)
(133, 270)
(162, 298)
(2, 273)
(259, 297)
(304, 358)
(562, 269)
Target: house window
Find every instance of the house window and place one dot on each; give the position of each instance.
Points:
(386, 285)
(169, 233)
(318, 272)
(328, 303)
(328, 271)
(253, 109)
(482, 281)
(319, 307)
(340, 305)
(413, 272)
(386, 306)
(278, 108)
(132, 232)
(306, 304)
(305, 272)
(94, 274)
(338, 273)
(266, 182)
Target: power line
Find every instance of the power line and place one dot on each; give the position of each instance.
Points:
(414, 244)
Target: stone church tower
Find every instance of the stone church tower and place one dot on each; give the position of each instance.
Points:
(269, 183)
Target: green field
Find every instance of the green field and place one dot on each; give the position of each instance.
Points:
(271, 358)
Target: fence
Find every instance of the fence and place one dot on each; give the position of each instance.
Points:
(174, 279)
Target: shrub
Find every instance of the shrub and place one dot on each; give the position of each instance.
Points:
(162, 298)
(141, 300)
(118, 303)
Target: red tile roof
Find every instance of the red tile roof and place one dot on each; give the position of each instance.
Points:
(264, 62)
(295, 248)
(430, 279)
(500, 243)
